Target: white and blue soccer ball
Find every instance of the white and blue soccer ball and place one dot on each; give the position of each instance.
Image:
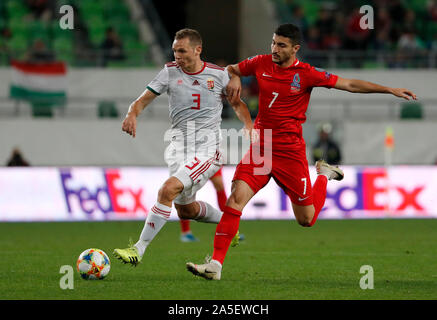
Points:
(93, 264)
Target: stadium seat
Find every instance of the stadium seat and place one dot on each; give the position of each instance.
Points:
(107, 109)
(64, 49)
(42, 110)
(127, 30)
(411, 110)
(57, 32)
(16, 9)
(18, 45)
(39, 30)
(116, 10)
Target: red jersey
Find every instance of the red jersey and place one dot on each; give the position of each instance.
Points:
(284, 93)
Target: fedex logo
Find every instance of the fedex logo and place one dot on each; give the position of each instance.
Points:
(105, 197)
(372, 191)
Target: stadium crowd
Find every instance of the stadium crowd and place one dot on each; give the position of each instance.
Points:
(398, 24)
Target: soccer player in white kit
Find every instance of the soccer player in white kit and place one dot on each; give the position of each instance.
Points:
(195, 89)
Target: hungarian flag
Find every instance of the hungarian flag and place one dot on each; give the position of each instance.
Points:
(43, 83)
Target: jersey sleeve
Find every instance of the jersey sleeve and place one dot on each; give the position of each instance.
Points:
(248, 67)
(160, 83)
(321, 78)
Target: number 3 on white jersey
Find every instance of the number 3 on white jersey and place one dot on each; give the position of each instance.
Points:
(274, 98)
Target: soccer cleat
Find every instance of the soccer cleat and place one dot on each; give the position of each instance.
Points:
(236, 239)
(210, 270)
(188, 237)
(128, 255)
(330, 171)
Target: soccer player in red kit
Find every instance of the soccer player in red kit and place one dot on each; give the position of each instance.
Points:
(285, 86)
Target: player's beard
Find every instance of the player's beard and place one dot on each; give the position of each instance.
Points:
(276, 58)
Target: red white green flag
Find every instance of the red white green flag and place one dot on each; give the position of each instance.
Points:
(44, 82)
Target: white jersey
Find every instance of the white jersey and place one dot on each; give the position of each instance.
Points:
(195, 103)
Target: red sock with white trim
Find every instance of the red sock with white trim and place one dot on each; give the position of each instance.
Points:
(319, 196)
(225, 232)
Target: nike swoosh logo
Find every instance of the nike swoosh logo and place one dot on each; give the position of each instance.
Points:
(302, 199)
(266, 75)
(207, 271)
(220, 234)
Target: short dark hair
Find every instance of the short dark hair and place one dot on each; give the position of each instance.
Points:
(191, 34)
(290, 31)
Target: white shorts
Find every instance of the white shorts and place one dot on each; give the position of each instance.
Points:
(192, 170)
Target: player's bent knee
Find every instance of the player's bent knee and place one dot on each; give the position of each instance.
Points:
(186, 211)
(170, 190)
(304, 215)
(240, 195)
(185, 214)
(236, 202)
(305, 221)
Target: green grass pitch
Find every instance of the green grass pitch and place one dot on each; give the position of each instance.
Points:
(278, 260)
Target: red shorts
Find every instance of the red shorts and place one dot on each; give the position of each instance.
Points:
(288, 165)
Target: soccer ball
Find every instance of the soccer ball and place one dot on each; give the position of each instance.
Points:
(93, 264)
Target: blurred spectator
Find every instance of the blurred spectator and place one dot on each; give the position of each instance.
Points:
(313, 39)
(325, 22)
(331, 41)
(337, 26)
(298, 19)
(410, 41)
(17, 159)
(112, 47)
(433, 42)
(396, 10)
(432, 9)
(382, 41)
(383, 21)
(325, 148)
(39, 53)
(356, 38)
(5, 36)
(409, 21)
(42, 9)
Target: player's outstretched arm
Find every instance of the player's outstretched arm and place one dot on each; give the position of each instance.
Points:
(361, 86)
(130, 122)
(234, 86)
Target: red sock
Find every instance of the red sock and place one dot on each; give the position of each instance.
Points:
(221, 199)
(319, 196)
(185, 225)
(225, 232)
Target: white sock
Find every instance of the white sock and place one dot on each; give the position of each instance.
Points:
(208, 213)
(156, 219)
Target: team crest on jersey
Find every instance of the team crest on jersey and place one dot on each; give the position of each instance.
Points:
(295, 85)
(210, 83)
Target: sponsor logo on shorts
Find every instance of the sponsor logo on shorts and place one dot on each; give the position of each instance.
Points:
(302, 199)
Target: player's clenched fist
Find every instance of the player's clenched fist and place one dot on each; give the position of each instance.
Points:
(130, 125)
